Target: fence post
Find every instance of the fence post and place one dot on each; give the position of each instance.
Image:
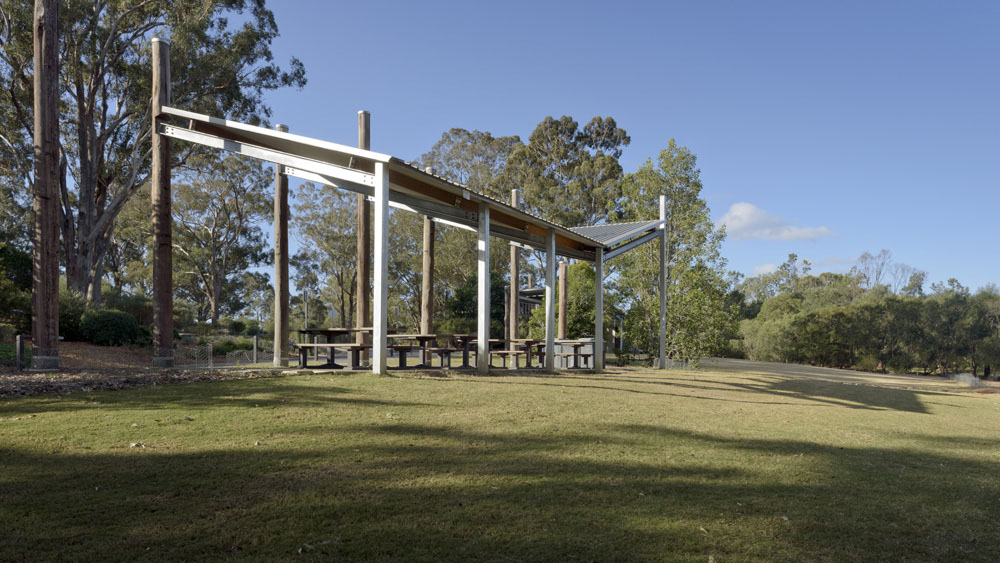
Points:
(19, 352)
(211, 355)
(256, 339)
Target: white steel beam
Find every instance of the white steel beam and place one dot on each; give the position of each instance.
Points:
(599, 311)
(663, 283)
(550, 301)
(630, 245)
(483, 271)
(381, 266)
(269, 155)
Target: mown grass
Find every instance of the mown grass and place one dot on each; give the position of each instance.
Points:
(626, 465)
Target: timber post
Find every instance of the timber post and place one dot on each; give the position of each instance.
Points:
(45, 253)
(561, 331)
(364, 241)
(163, 252)
(427, 284)
(281, 294)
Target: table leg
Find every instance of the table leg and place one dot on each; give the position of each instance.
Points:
(465, 354)
(423, 356)
(402, 358)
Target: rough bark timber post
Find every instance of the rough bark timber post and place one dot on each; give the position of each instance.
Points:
(281, 296)
(514, 301)
(45, 257)
(561, 330)
(163, 252)
(599, 311)
(364, 241)
(427, 284)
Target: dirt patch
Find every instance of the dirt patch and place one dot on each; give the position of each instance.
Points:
(80, 355)
(14, 384)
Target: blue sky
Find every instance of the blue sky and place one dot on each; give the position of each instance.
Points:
(824, 129)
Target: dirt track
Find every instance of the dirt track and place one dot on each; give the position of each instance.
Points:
(841, 375)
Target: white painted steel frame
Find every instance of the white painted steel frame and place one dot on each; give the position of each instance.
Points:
(377, 186)
(483, 273)
(663, 282)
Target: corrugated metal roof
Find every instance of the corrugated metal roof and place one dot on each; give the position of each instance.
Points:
(613, 233)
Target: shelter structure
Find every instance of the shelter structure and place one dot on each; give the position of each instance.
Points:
(384, 181)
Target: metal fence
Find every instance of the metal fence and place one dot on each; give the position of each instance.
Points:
(193, 356)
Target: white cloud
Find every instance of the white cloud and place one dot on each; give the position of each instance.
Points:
(764, 269)
(745, 221)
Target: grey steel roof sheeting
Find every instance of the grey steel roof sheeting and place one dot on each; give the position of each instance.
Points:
(610, 233)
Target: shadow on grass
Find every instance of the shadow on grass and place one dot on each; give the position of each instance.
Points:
(270, 392)
(817, 392)
(425, 492)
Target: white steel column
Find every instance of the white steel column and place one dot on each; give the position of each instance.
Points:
(550, 304)
(599, 311)
(380, 316)
(483, 332)
(663, 284)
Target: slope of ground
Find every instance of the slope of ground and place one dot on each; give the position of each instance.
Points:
(627, 465)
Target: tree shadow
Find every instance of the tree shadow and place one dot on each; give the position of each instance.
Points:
(271, 393)
(793, 391)
(438, 492)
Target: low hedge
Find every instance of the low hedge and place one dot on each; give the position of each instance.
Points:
(109, 327)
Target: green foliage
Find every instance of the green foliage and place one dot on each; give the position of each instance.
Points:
(236, 327)
(834, 320)
(227, 345)
(72, 307)
(109, 327)
(139, 306)
(571, 175)
(8, 353)
(221, 64)
(701, 318)
(217, 233)
(461, 309)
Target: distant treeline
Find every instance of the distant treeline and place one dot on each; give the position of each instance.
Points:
(872, 319)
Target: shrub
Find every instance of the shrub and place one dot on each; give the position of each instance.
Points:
(15, 306)
(72, 306)
(8, 354)
(236, 327)
(252, 327)
(109, 327)
(227, 345)
(139, 306)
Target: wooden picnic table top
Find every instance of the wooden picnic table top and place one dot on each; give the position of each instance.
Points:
(420, 336)
(334, 330)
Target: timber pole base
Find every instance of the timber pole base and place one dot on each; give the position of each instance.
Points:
(47, 363)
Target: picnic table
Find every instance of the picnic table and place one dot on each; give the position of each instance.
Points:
(330, 335)
(423, 340)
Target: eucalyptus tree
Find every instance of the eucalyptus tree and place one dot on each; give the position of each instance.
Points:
(571, 175)
(699, 317)
(217, 215)
(218, 67)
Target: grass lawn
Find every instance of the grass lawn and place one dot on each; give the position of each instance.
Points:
(627, 465)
